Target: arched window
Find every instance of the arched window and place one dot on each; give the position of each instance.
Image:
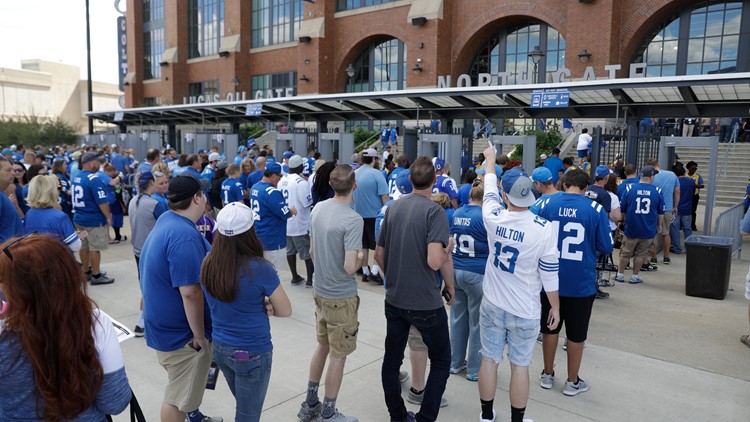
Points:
(704, 39)
(380, 67)
(508, 51)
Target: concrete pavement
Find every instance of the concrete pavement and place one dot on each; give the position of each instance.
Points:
(653, 354)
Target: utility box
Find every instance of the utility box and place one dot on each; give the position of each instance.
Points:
(709, 260)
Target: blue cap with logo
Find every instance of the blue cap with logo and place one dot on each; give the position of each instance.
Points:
(517, 185)
(439, 164)
(273, 167)
(498, 170)
(541, 175)
(403, 184)
(242, 148)
(288, 154)
(602, 172)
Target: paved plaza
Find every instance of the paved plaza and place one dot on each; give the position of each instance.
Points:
(653, 354)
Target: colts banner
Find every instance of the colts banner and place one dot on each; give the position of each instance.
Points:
(122, 51)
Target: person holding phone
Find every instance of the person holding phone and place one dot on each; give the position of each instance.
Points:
(523, 258)
(242, 291)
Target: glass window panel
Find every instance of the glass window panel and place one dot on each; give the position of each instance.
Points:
(669, 52)
(672, 31)
(712, 49)
(732, 21)
(710, 67)
(728, 66)
(669, 70)
(695, 50)
(697, 25)
(714, 23)
(693, 69)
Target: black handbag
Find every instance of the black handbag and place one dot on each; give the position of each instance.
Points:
(136, 414)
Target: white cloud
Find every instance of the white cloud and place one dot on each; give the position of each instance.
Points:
(55, 31)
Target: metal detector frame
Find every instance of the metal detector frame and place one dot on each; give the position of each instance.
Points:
(529, 148)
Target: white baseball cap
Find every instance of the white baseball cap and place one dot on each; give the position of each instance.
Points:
(295, 161)
(234, 219)
(214, 156)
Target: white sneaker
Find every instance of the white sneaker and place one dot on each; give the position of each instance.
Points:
(546, 380)
(572, 389)
(487, 420)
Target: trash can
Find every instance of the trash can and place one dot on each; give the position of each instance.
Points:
(709, 259)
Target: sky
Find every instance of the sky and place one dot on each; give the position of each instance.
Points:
(55, 31)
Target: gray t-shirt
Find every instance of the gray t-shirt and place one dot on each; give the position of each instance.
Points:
(335, 228)
(409, 225)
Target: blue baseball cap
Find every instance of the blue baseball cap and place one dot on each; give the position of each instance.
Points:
(439, 164)
(517, 185)
(273, 167)
(144, 178)
(7, 151)
(242, 148)
(602, 172)
(498, 170)
(541, 175)
(403, 184)
(288, 154)
(201, 151)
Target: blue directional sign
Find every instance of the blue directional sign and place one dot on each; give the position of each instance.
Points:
(550, 98)
(254, 110)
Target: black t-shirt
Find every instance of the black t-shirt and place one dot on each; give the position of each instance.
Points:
(598, 194)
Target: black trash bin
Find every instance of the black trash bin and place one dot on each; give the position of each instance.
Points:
(709, 259)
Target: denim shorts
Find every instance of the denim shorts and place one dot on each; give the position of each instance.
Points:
(498, 327)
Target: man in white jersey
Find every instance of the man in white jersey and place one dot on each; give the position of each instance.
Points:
(523, 258)
(296, 191)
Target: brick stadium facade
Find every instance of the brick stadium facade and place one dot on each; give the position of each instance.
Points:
(339, 31)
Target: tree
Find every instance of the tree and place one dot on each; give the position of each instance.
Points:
(35, 130)
(545, 142)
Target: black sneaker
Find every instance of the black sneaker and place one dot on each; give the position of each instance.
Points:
(600, 294)
(297, 280)
(649, 267)
(375, 278)
(139, 331)
(308, 284)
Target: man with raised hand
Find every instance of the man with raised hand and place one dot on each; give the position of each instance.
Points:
(523, 259)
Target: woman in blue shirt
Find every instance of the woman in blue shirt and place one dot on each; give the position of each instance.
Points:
(44, 215)
(242, 290)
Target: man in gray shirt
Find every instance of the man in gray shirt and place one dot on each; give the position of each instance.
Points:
(336, 231)
(413, 245)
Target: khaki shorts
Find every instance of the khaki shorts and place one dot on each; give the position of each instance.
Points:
(635, 247)
(97, 240)
(415, 340)
(187, 371)
(336, 324)
(666, 222)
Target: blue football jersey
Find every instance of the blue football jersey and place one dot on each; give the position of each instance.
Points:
(271, 213)
(583, 230)
(642, 204)
(232, 190)
(391, 180)
(88, 192)
(470, 236)
(445, 184)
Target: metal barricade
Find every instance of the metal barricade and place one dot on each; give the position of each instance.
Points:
(727, 225)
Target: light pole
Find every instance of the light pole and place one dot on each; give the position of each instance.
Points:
(536, 54)
(350, 70)
(88, 68)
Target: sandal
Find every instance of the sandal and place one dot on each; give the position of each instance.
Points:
(472, 377)
(745, 339)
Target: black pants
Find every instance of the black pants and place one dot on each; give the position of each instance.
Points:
(696, 198)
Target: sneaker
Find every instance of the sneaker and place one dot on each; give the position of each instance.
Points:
(654, 261)
(487, 420)
(375, 278)
(297, 280)
(634, 279)
(207, 419)
(620, 278)
(139, 331)
(308, 284)
(364, 278)
(102, 279)
(649, 267)
(338, 417)
(417, 398)
(667, 261)
(410, 417)
(472, 377)
(403, 376)
(307, 413)
(600, 294)
(546, 380)
(461, 368)
(539, 338)
(572, 389)
(605, 283)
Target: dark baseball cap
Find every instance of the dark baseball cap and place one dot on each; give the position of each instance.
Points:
(91, 156)
(648, 171)
(186, 185)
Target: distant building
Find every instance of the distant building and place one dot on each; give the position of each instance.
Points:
(48, 90)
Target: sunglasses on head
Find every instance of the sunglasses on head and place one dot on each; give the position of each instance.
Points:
(6, 250)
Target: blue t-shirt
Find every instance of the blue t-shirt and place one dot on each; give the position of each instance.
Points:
(144, 167)
(159, 197)
(394, 136)
(687, 191)
(555, 166)
(542, 199)
(120, 162)
(371, 187)
(88, 192)
(391, 180)
(745, 223)
(271, 213)
(171, 258)
(464, 193)
(444, 184)
(65, 200)
(471, 250)
(747, 192)
(238, 159)
(52, 222)
(642, 204)
(232, 190)
(208, 174)
(624, 184)
(667, 182)
(10, 221)
(21, 198)
(104, 177)
(308, 166)
(253, 178)
(583, 230)
(243, 323)
(385, 134)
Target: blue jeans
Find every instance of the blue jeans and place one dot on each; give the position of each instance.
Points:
(465, 321)
(247, 379)
(680, 222)
(433, 326)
